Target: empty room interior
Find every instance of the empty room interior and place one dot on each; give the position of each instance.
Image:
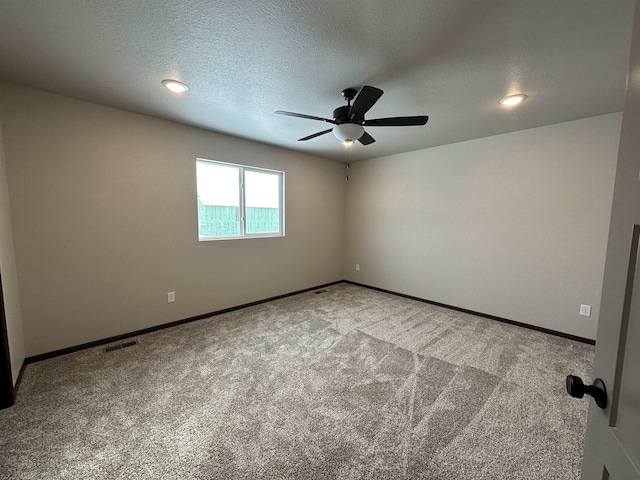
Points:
(304, 239)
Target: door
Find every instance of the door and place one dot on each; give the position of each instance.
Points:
(6, 381)
(612, 443)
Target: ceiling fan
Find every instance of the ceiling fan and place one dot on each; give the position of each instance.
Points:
(349, 120)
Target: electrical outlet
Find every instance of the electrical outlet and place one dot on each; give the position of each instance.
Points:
(585, 310)
(357, 267)
(171, 297)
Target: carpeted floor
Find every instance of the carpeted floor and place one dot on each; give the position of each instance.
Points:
(350, 383)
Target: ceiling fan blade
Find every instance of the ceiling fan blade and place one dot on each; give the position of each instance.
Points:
(367, 97)
(366, 139)
(301, 115)
(314, 135)
(396, 121)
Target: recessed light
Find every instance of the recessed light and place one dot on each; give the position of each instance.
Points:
(512, 99)
(175, 86)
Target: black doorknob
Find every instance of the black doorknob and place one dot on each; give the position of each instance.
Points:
(577, 389)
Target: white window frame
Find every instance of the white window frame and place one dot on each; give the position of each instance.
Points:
(243, 233)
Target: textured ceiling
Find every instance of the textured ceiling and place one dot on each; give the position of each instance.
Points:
(449, 59)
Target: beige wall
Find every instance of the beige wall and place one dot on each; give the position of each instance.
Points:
(105, 221)
(513, 225)
(9, 275)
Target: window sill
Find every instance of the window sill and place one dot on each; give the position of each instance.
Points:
(245, 237)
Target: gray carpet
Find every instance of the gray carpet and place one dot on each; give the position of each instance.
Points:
(346, 384)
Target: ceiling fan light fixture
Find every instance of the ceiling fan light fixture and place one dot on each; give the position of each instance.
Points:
(348, 133)
(175, 86)
(513, 99)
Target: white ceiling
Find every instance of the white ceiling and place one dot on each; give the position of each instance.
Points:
(449, 59)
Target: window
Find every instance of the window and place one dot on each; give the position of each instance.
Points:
(236, 201)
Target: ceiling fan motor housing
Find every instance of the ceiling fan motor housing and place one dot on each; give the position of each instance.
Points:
(340, 114)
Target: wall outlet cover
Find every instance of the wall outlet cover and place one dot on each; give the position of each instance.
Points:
(585, 310)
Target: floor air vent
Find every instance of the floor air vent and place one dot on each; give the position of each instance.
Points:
(121, 346)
